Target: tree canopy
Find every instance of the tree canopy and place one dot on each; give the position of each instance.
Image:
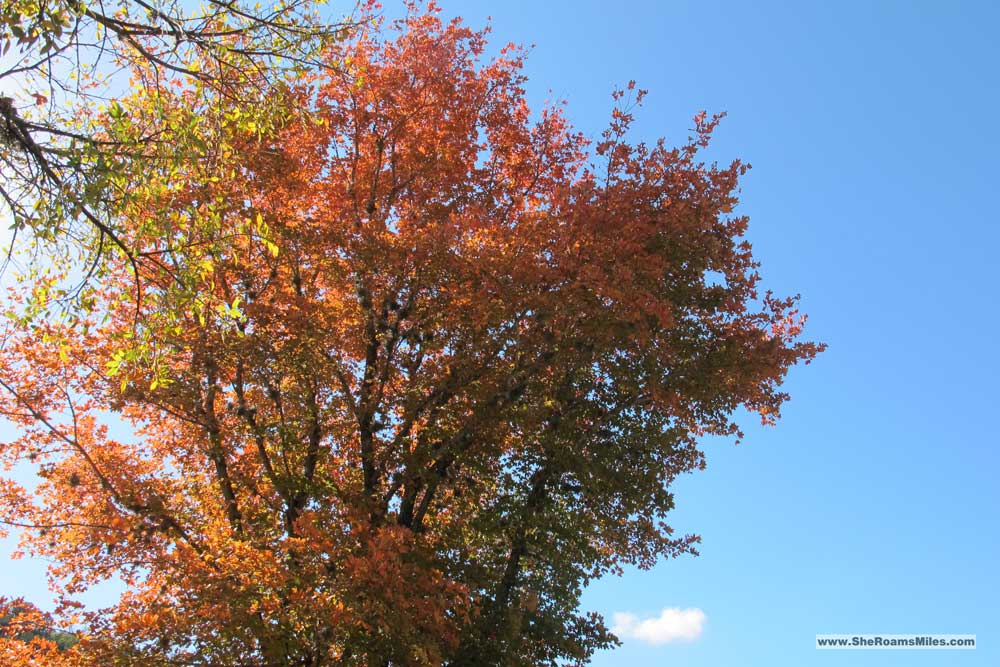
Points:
(64, 172)
(405, 372)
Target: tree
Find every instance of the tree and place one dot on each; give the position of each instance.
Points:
(403, 376)
(61, 178)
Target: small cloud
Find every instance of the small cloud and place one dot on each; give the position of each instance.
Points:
(672, 625)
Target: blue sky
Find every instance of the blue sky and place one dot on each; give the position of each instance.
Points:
(873, 505)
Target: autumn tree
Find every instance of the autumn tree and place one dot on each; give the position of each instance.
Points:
(403, 377)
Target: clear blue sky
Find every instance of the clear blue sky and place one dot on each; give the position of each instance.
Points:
(873, 506)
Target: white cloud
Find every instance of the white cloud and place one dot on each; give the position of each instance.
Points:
(672, 625)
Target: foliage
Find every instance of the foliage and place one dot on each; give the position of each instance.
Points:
(405, 373)
(66, 168)
(27, 637)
